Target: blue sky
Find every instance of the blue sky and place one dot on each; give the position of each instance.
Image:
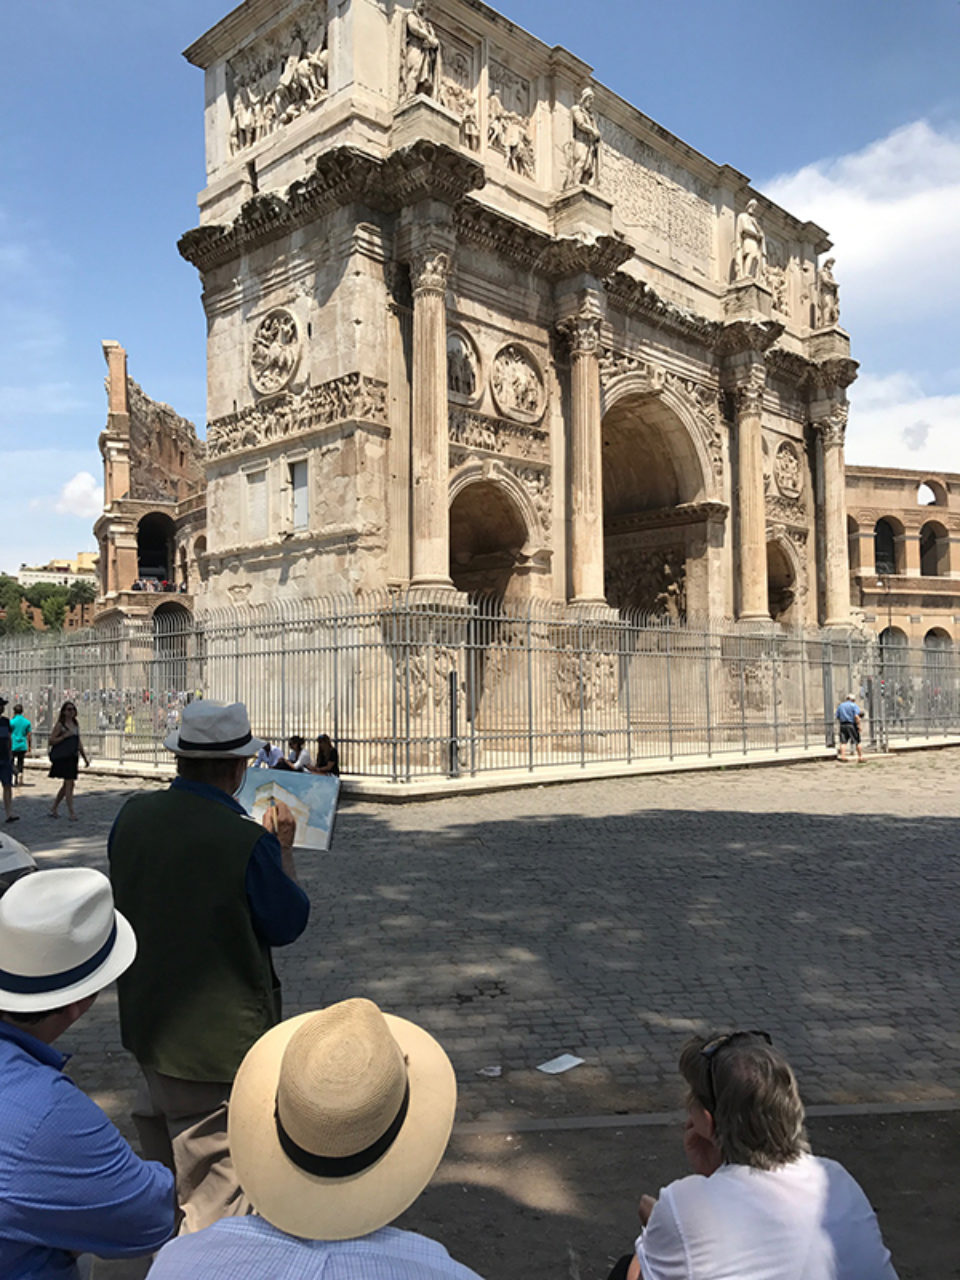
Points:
(848, 112)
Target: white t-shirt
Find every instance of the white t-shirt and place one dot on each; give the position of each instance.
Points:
(808, 1220)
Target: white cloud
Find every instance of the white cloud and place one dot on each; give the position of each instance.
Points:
(80, 496)
(893, 212)
(894, 424)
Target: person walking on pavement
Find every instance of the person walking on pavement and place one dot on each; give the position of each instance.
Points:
(22, 734)
(209, 892)
(850, 716)
(6, 762)
(66, 749)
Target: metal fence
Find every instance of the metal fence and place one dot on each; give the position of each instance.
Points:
(429, 686)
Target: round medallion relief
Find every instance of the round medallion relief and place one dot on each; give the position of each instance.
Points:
(463, 368)
(275, 353)
(787, 471)
(518, 385)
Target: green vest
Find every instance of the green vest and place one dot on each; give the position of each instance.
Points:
(202, 988)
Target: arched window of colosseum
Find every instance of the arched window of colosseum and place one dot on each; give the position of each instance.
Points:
(931, 493)
(934, 550)
(888, 546)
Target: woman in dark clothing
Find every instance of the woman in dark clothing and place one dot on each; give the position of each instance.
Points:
(65, 751)
(328, 759)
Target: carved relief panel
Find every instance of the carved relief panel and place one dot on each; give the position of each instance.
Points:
(278, 77)
(655, 196)
(463, 368)
(517, 384)
(510, 119)
(778, 274)
(274, 352)
(458, 86)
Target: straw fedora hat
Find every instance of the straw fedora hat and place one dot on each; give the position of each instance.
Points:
(338, 1120)
(60, 939)
(213, 731)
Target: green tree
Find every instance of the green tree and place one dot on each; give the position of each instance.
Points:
(39, 592)
(81, 592)
(54, 610)
(11, 594)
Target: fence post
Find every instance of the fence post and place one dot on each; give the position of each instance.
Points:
(776, 713)
(530, 687)
(583, 743)
(707, 637)
(743, 706)
(454, 686)
(625, 631)
(669, 699)
(826, 675)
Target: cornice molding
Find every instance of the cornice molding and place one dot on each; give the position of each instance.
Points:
(637, 298)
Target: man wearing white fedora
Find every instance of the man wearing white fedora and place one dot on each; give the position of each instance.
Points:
(209, 892)
(69, 1183)
(338, 1121)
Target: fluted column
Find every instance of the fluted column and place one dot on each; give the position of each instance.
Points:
(832, 431)
(582, 332)
(751, 499)
(430, 461)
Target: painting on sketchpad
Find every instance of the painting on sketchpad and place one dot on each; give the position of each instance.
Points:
(312, 797)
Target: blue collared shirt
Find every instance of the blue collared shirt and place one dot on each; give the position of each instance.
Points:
(279, 908)
(250, 1248)
(69, 1183)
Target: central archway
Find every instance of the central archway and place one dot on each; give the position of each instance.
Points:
(654, 479)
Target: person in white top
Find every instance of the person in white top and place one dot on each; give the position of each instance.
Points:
(759, 1206)
(297, 758)
(268, 757)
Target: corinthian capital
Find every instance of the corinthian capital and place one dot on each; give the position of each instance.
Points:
(430, 270)
(748, 390)
(582, 330)
(833, 428)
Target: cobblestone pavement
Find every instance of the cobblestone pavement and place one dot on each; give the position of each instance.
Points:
(610, 919)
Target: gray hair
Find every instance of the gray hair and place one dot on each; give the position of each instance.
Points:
(752, 1094)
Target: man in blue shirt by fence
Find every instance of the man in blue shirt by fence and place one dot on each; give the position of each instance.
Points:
(69, 1183)
(849, 715)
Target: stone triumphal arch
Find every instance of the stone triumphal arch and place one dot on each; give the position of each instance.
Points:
(477, 323)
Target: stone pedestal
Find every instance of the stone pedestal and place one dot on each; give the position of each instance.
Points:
(423, 118)
(430, 267)
(582, 332)
(748, 299)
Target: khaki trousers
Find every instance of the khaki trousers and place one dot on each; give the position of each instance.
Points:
(183, 1124)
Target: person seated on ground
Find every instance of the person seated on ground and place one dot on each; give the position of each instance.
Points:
(69, 1183)
(298, 757)
(338, 1120)
(850, 717)
(328, 758)
(758, 1203)
(268, 756)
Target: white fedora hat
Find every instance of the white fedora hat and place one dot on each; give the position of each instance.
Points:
(338, 1120)
(213, 731)
(60, 939)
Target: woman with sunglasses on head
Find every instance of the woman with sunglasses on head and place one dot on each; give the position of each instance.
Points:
(65, 751)
(758, 1205)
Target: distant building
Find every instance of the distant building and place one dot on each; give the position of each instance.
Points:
(61, 573)
(904, 538)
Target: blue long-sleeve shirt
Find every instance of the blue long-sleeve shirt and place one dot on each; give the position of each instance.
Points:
(69, 1183)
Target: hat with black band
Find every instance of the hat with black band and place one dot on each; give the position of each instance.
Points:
(213, 731)
(61, 939)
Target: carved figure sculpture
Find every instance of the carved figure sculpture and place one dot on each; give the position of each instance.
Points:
(420, 72)
(461, 372)
(751, 250)
(470, 127)
(828, 296)
(517, 387)
(583, 163)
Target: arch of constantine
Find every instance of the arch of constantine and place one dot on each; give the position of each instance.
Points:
(475, 322)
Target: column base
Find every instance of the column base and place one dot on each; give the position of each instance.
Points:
(432, 583)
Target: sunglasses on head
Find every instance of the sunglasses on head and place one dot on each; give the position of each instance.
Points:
(713, 1047)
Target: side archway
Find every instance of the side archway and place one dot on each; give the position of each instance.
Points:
(496, 531)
